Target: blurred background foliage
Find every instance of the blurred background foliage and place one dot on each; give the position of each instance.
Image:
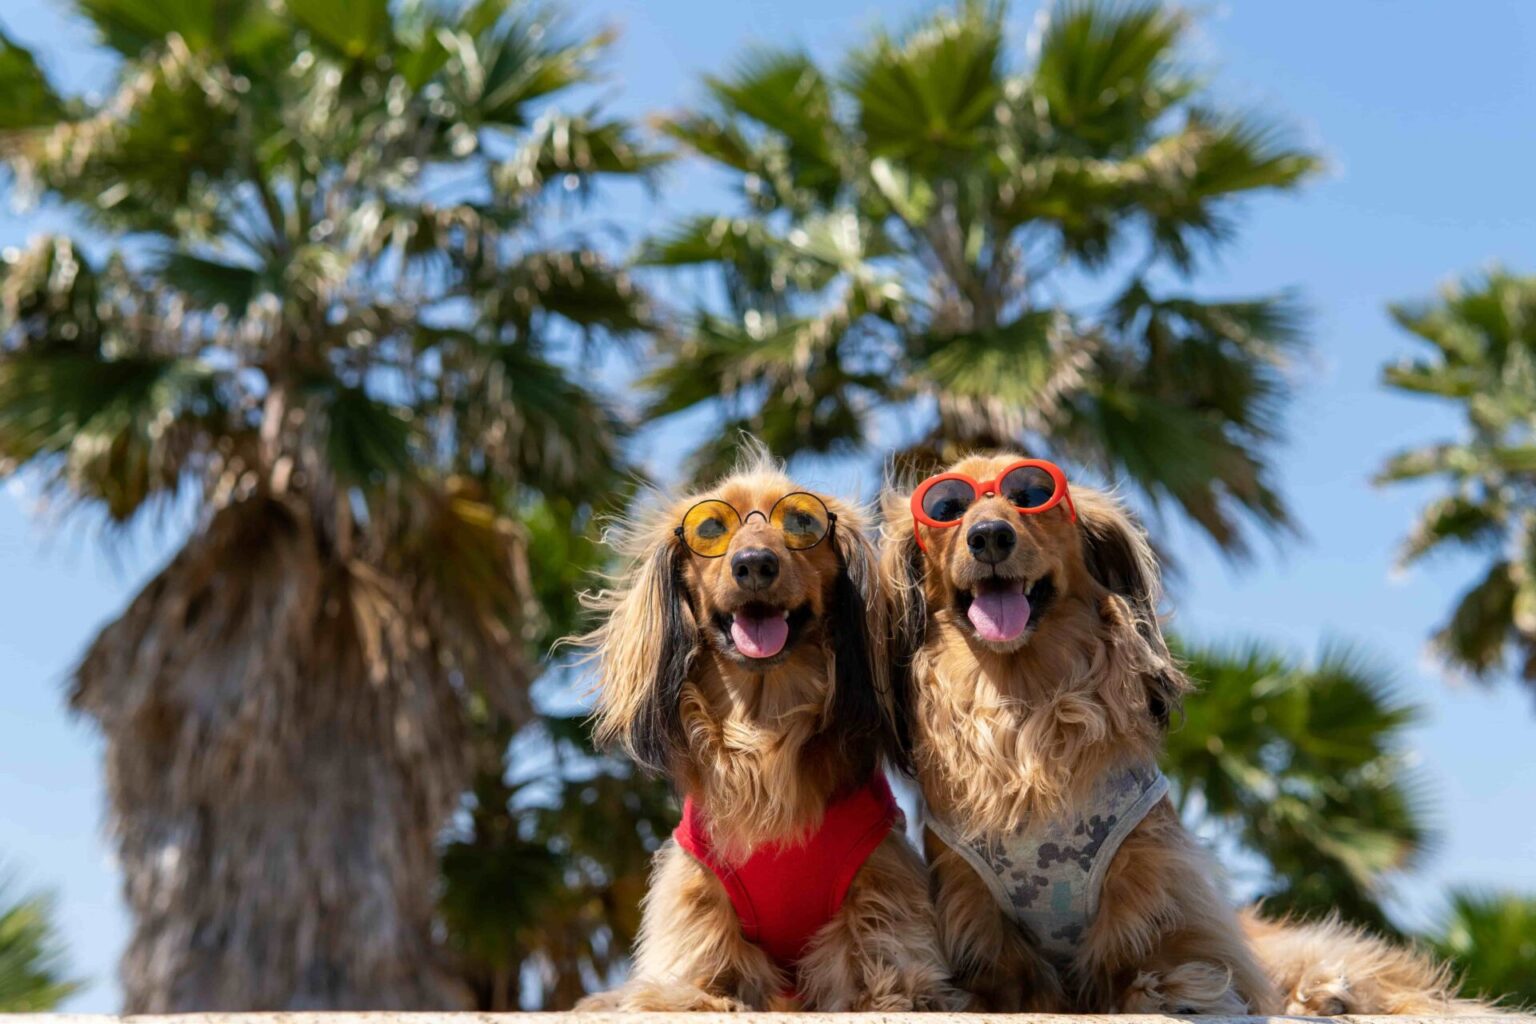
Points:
(32, 972)
(330, 290)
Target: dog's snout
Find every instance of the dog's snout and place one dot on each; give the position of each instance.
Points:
(755, 568)
(991, 540)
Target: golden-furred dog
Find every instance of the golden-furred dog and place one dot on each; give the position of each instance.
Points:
(1040, 689)
(743, 654)
(1029, 641)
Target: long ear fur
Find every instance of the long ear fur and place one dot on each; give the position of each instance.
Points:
(1117, 554)
(644, 649)
(901, 586)
(858, 631)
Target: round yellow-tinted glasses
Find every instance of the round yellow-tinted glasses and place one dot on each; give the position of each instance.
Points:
(801, 517)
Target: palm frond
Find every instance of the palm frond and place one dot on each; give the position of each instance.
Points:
(494, 75)
(577, 286)
(120, 431)
(32, 963)
(785, 93)
(1475, 636)
(355, 30)
(1107, 72)
(1490, 937)
(30, 100)
(931, 93)
(132, 26)
(1304, 766)
(210, 283)
(570, 151)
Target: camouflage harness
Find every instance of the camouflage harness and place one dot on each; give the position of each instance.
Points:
(1047, 876)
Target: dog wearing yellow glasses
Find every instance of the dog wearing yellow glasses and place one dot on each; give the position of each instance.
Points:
(1040, 688)
(742, 653)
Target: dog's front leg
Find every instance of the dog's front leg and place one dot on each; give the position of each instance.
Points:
(881, 952)
(989, 956)
(690, 954)
(1166, 940)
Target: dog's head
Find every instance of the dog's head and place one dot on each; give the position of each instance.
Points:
(1037, 588)
(750, 586)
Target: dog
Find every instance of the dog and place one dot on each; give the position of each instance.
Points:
(742, 654)
(1038, 687)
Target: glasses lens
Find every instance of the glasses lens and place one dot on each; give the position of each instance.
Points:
(947, 500)
(708, 526)
(803, 519)
(1028, 487)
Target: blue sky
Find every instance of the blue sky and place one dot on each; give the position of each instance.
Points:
(1424, 112)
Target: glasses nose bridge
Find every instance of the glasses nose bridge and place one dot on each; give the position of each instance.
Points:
(755, 531)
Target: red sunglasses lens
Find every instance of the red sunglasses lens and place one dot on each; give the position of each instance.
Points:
(1028, 487)
(947, 500)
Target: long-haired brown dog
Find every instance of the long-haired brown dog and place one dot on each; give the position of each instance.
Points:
(743, 654)
(1027, 613)
(1040, 689)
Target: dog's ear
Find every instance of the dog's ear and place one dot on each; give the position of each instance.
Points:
(901, 575)
(858, 634)
(1118, 555)
(902, 566)
(644, 649)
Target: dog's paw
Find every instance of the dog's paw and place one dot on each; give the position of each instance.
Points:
(1324, 995)
(884, 1002)
(1192, 988)
(600, 1002)
(664, 997)
(944, 999)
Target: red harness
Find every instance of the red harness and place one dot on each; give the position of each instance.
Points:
(783, 895)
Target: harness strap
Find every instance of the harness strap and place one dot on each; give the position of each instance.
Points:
(1048, 875)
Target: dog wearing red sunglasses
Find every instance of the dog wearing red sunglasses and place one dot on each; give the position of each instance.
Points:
(1038, 688)
(742, 653)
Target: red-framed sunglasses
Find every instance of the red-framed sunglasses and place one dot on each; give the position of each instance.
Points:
(1031, 486)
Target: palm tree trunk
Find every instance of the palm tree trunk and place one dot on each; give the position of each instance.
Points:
(281, 753)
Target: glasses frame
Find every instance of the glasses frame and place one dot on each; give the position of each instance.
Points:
(741, 520)
(990, 489)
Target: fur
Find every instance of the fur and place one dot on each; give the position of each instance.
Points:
(762, 748)
(1005, 732)
(1325, 968)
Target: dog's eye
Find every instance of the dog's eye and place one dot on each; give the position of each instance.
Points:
(709, 529)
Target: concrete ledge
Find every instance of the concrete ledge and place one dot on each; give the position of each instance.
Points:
(382, 1017)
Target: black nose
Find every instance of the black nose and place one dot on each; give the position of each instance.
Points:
(991, 541)
(755, 568)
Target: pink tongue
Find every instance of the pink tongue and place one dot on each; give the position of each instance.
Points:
(759, 637)
(999, 617)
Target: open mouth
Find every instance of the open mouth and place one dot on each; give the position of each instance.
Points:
(762, 632)
(1001, 610)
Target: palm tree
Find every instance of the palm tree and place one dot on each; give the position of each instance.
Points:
(317, 308)
(1491, 940)
(32, 973)
(977, 251)
(1481, 355)
(544, 877)
(1301, 767)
